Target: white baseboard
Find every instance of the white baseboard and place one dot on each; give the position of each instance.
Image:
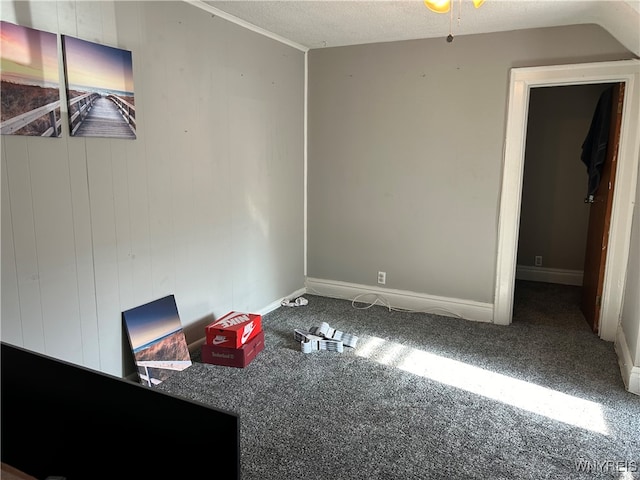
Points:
(402, 299)
(549, 275)
(271, 307)
(195, 345)
(630, 372)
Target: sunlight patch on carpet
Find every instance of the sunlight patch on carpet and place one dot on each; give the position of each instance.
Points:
(528, 396)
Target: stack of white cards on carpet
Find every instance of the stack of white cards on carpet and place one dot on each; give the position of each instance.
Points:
(324, 337)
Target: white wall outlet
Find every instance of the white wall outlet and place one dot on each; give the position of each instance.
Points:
(538, 261)
(382, 278)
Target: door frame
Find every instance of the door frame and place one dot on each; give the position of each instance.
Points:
(520, 84)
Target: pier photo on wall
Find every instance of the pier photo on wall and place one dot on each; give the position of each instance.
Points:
(157, 340)
(30, 82)
(100, 93)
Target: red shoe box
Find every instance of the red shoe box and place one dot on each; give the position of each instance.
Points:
(233, 357)
(233, 329)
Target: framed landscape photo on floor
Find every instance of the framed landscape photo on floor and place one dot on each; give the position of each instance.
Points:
(30, 82)
(157, 340)
(100, 93)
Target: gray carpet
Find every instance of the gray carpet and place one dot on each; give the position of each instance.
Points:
(360, 415)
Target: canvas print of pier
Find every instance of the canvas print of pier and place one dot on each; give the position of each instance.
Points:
(99, 81)
(30, 79)
(157, 340)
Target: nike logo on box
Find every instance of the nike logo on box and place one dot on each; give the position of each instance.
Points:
(247, 331)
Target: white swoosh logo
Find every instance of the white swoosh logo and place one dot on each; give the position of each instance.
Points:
(218, 340)
(247, 331)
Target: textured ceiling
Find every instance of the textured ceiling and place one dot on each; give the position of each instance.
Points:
(311, 24)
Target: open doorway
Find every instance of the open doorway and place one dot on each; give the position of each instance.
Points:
(521, 82)
(555, 210)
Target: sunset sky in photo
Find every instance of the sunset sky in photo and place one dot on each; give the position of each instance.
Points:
(152, 321)
(93, 66)
(28, 56)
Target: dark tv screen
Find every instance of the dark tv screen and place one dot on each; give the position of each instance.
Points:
(60, 419)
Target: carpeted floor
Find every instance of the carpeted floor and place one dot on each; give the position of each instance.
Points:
(424, 396)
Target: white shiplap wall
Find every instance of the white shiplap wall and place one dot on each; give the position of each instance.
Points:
(206, 203)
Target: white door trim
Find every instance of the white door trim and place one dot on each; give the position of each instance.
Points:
(521, 81)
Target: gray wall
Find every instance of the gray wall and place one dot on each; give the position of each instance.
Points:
(553, 215)
(405, 154)
(206, 204)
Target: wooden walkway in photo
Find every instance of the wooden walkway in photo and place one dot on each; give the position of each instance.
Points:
(104, 120)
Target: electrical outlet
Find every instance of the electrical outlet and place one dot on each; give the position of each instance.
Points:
(382, 278)
(538, 261)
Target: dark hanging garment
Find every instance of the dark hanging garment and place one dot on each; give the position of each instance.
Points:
(594, 147)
